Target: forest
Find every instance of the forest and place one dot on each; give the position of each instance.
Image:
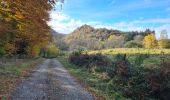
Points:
(89, 38)
(23, 26)
(107, 64)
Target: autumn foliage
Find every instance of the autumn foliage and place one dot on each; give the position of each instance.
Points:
(150, 41)
(23, 25)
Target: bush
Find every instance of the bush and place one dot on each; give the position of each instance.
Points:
(120, 57)
(133, 44)
(158, 81)
(131, 80)
(138, 82)
(89, 60)
(139, 59)
(52, 51)
(2, 52)
(77, 52)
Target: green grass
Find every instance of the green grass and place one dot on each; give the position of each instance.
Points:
(141, 60)
(12, 73)
(15, 70)
(130, 51)
(102, 88)
(155, 55)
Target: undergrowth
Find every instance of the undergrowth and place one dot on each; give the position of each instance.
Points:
(122, 77)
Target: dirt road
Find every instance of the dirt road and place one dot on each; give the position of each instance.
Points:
(50, 81)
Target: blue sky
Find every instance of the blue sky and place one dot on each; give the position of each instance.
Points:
(125, 15)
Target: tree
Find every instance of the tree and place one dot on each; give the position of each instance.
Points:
(133, 44)
(148, 32)
(2, 52)
(150, 41)
(51, 51)
(138, 38)
(115, 41)
(23, 25)
(163, 42)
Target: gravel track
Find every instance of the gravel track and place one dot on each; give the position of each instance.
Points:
(50, 81)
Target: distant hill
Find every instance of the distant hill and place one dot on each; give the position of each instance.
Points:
(90, 38)
(56, 34)
(57, 39)
(87, 31)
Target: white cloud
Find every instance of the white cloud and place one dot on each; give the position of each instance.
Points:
(65, 27)
(166, 26)
(123, 26)
(64, 24)
(158, 20)
(168, 9)
(131, 26)
(58, 16)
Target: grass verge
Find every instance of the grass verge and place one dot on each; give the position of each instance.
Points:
(11, 75)
(93, 82)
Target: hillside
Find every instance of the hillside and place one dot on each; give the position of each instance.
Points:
(56, 34)
(87, 37)
(57, 39)
(87, 31)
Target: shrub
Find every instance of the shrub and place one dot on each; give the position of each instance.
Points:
(89, 60)
(52, 51)
(131, 80)
(77, 52)
(2, 52)
(133, 44)
(158, 81)
(120, 57)
(139, 59)
(122, 68)
(137, 84)
(122, 65)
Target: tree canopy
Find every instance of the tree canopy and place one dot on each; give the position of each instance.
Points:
(163, 42)
(150, 41)
(23, 25)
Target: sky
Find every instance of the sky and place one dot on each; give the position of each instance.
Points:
(124, 15)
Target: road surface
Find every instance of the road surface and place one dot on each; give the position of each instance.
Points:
(50, 81)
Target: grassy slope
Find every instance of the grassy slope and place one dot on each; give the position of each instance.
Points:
(130, 51)
(12, 73)
(93, 82)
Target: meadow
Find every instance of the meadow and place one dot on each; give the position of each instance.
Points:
(130, 51)
(122, 74)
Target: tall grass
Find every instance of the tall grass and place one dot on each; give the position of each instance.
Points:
(130, 51)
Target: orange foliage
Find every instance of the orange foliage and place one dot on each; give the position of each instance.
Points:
(27, 20)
